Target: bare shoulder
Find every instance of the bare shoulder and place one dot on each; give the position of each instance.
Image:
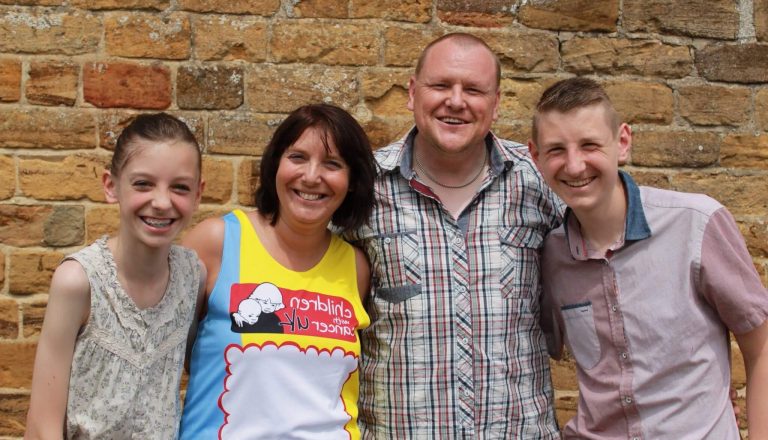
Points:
(71, 281)
(206, 238)
(363, 272)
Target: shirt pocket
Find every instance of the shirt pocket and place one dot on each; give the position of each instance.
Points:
(395, 259)
(581, 333)
(519, 256)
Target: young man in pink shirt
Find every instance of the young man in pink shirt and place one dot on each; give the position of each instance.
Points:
(643, 285)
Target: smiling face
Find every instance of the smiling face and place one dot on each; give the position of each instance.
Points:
(311, 181)
(578, 154)
(454, 98)
(158, 189)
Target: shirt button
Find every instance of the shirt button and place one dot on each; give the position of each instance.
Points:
(387, 240)
(614, 308)
(624, 355)
(464, 340)
(628, 400)
(457, 241)
(635, 438)
(466, 393)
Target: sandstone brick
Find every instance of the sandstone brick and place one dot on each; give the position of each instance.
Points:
(383, 130)
(230, 38)
(30, 271)
(47, 128)
(341, 44)
(738, 372)
(246, 134)
(7, 177)
(112, 123)
(485, 14)
(14, 409)
(414, 11)
(280, 89)
(209, 87)
(756, 236)
(319, 9)
(695, 18)
(158, 5)
(219, 177)
(741, 194)
(642, 102)
(62, 178)
(49, 32)
(32, 318)
(247, 181)
(514, 130)
(10, 80)
(22, 226)
(143, 35)
(17, 374)
(127, 85)
(615, 56)
(761, 109)
(519, 97)
(715, 105)
(9, 319)
(52, 83)
(65, 226)
(742, 63)
(565, 407)
(403, 44)
(101, 220)
(675, 148)
(252, 7)
(571, 15)
(385, 91)
(564, 373)
(2, 268)
(652, 178)
(761, 19)
(32, 2)
(524, 51)
(745, 150)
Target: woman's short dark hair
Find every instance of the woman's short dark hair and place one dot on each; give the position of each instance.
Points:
(340, 128)
(157, 127)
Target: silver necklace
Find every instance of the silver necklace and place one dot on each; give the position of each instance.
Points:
(463, 185)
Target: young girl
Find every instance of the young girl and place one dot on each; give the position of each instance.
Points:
(112, 345)
(276, 354)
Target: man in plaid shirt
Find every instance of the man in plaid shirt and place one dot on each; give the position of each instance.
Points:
(455, 349)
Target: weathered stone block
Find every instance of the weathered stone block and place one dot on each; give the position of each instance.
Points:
(247, 181)
(143, 35)
(69, 33)
(761, 109)
(524, 51)
(675, 148)
(209, 87)
(484, 14)
(112, 123)
(62, 178)
(642, 102)
(7, 177)
(219, 177)
(745, 150)
(741, 194)
(570, 15)
(64, 227)
(403, 44)
(17, 374)
(22, 226)
(251, 7)
(240, 133)
(756, 236)
(280, 89)
(32, 314)
(47, 128)
(514, 130)
(9, 319)
(14, 409)
(230, 38)
(127, 85)
(383, 130)
(101, 220)
(2, 268)
(564, 373)
(715, 105)
(657, 179)
(565, 406)
(385, 91)
(158, 5)
(31, 3)
(319, 9)
(742, 63)
(10, 80)
(615, 56)
(695, 18)
(52, 83)
(341, 44)
(30, 272)
(415, 11)
(519, 97)
(761, 19)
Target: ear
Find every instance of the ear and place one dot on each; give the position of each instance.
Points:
(496, 105)
(411, 92)
(625, 142)
(109, 182)
(534, 151)
(200, 189)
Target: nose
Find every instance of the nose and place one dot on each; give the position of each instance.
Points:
(575, 162)
(311, 173)
(161, 199)
(456, 97)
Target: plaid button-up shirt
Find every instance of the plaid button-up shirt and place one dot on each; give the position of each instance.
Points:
(455, 349)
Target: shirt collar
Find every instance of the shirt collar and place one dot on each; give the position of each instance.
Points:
(635, 226)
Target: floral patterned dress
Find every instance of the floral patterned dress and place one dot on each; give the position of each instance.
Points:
(127, 361)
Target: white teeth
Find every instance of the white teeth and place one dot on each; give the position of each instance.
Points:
(158, 223)
(452, 120)
(308, 196)
(577, 183)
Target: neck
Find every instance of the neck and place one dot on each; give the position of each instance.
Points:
(604, 227)
(297, 247)
(138, 262)
(450, 171)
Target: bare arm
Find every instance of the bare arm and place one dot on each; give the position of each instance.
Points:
(202, 297)
(363, 273)
(67, 311)
(754, 348)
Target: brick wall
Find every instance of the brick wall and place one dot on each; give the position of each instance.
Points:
(691, 76)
